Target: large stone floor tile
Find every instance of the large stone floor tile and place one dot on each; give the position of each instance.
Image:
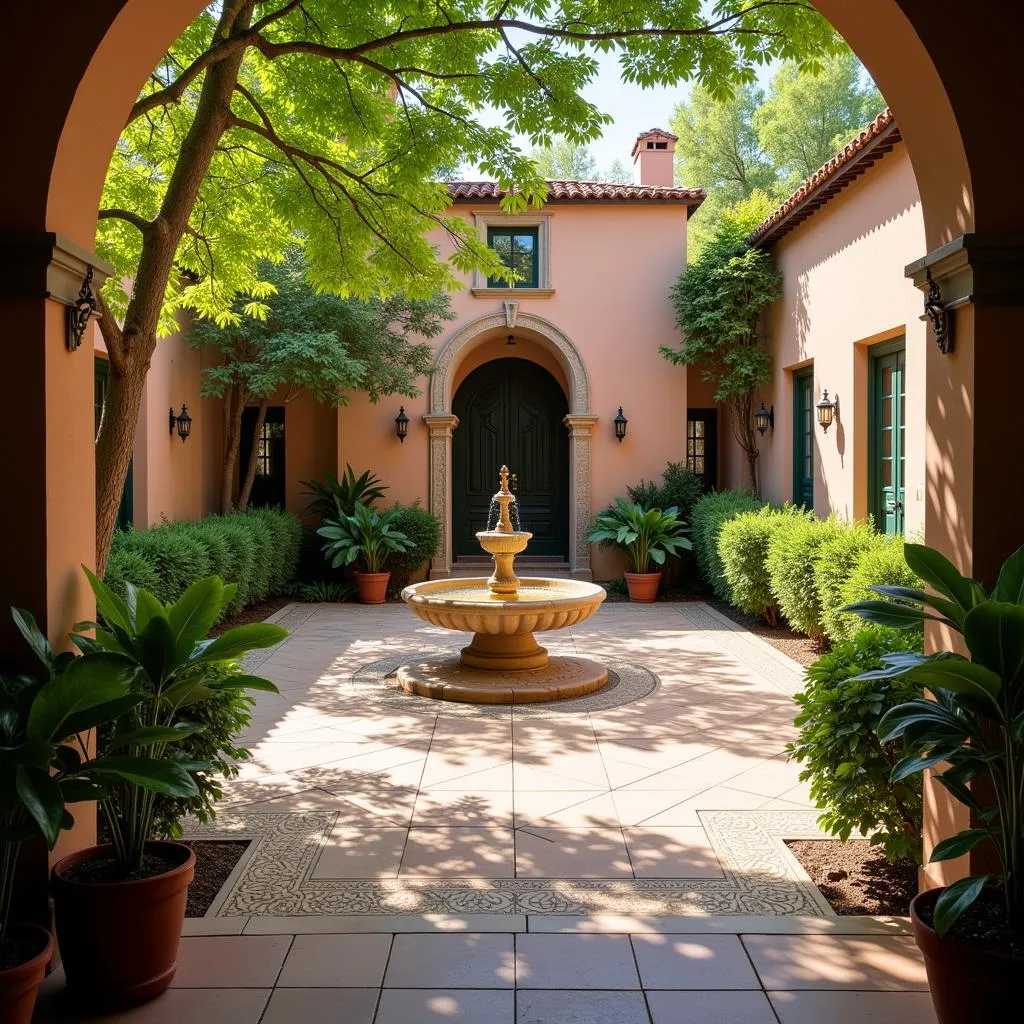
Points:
(713, 1008)
(453, 807)
(443, 961)
(575, 962)
(336, 1005)
(571, 853)
(496, 776)
(230, 961)
(336, 961)
(883, 963)
(715, 798)
(565, 808)
(361, 853)
(854, 1008)
(693, 962)
(671, 852)
(590, 1007)
(464, 852)
(553, 772)
(458, 1006)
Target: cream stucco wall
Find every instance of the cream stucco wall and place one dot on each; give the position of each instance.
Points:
(611, 269)
(844, 290)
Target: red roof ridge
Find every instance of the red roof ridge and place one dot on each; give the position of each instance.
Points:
(570, 190)
(864, 149)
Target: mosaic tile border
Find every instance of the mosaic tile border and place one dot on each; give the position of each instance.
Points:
(761, 877)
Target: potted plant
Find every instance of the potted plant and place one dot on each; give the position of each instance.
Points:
(119, 907)
(369, 537)
(646, 536)
(972, 737)
(43, 767)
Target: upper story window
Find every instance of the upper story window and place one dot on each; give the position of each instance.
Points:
(519, 250)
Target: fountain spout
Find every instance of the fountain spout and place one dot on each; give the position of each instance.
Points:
(504, 542)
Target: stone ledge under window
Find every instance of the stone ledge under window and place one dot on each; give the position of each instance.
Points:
(533, 293)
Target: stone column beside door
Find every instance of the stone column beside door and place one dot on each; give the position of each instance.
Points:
(441, 427)
(580, 427)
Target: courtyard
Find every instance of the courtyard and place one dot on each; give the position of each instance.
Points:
(614, 858)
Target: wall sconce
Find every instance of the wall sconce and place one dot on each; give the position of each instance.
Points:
(182, 423)
(827, 411)
(764, 418)
(80, 313)
(511, 340)
(620, 425)
(401, 424)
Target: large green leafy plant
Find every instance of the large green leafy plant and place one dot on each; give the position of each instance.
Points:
(646, 535)
(44, 759)
(366, 535)
(972, 733)
(333, 494)
(176, 667)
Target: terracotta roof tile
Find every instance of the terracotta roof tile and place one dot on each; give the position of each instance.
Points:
(584, 192)
(869, 146)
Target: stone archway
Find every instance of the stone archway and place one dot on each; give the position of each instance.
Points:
(442, 422)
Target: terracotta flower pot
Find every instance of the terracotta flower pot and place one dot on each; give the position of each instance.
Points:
(119, 940)
(19, 984)
(967, 984)
(643, 586)
(372, 586)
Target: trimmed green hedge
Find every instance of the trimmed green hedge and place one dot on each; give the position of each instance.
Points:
(709, 516)
(423, 530)
(835, 561)
(257, 549)
(881, 565)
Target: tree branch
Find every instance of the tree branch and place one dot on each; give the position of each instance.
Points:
(116, 213)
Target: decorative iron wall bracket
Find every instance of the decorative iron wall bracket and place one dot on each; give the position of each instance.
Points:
(935, 312)
(81, 312)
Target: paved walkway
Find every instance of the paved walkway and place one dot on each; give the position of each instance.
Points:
(617, 858)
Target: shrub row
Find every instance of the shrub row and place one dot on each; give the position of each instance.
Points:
(257, 549)
(767, 560)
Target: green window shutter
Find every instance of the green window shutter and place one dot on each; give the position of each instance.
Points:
(887, 436)
(803, 438)
(519, 250)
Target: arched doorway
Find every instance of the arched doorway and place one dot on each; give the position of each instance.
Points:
(511, 412)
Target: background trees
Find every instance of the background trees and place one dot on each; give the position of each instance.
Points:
(331, 118)
(316, 342)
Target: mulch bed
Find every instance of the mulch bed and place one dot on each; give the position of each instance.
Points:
(254, 613)
(855, 877)
(799, 647)
(215, 860)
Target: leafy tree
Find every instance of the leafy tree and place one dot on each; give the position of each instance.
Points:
(330, 119)
(565, 160)
(808, 117)
(618, 173)
(718, 300)
(315, 342)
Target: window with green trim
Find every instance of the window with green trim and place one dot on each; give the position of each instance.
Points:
(803, 438)
(519, 251)
(887, 400)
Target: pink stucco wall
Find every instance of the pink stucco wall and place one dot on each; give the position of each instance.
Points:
(844, 291)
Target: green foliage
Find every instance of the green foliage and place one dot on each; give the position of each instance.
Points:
(366, 535)
(422, 530)
(169, 656)
(331, 495)
(44, 763)
(836, 560)
(880, 564)
(680, 488)
(218, 720)
(565, 160)
(971, 735)
(848, 767)
(326, 591)
(646, 535)
(709, 515)
(743, 550)
(617, 585)
(792, 559)
(256, 550)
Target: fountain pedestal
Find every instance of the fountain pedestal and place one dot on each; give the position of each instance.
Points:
(503, 664)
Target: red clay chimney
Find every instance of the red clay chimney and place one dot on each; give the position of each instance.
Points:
(653, 156)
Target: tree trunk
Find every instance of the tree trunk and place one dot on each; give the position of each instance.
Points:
(129, 366)
(743, 431)
(234, 404)
(250, 470)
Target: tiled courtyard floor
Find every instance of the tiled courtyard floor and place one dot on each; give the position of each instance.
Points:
(613, 859)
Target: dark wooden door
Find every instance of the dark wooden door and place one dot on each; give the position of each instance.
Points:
(803, 438)
(510, 412)
(268, 486)
(702, 445)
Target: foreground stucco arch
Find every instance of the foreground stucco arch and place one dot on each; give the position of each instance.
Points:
(443, 422)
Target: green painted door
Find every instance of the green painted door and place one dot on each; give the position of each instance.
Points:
(803, 438)
(888, 434)
(511, 412)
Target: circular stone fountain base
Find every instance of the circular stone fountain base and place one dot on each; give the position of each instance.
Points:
(450, 679)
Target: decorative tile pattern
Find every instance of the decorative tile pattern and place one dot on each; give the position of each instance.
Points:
(291, 617)
(760, 876)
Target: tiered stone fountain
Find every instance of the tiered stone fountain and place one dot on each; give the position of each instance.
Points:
(503, 664)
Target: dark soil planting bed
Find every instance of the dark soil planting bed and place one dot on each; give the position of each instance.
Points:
(855, 877)
(215, 860)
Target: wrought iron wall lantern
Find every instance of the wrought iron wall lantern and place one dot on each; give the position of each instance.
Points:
(401, 424)
(828, 411)
(938, 315)
(182, 423)
(511, 340)
(80, 313)
(764, 418)
(620, 422)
